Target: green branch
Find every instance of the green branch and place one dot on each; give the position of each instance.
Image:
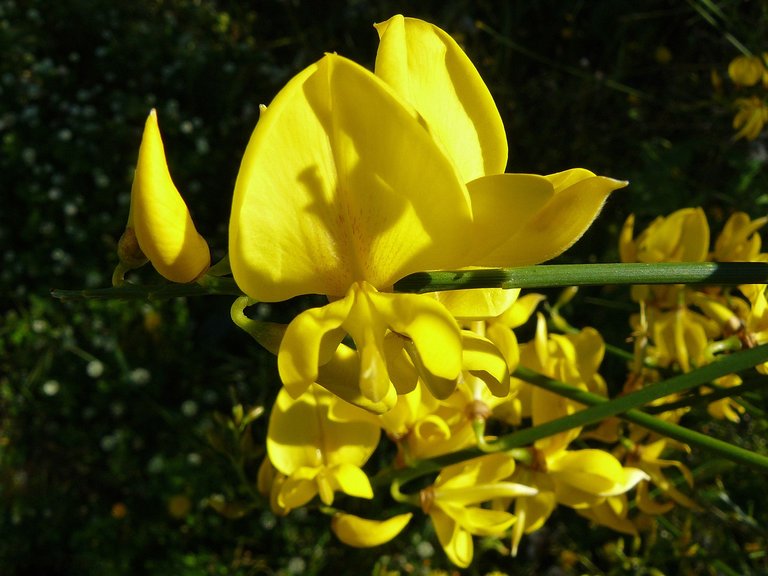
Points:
(555, 275)
(599, 409)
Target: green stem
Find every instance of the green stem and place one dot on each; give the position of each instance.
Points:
(207, 285)
(600, 408)
(625, 407)
(548, 276)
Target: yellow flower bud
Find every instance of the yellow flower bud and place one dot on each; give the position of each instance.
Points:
(161, 220)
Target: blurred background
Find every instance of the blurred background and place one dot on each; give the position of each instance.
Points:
(116, 437)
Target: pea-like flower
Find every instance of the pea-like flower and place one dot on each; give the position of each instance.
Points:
(319, 453)
(453, 503)
(344, 189)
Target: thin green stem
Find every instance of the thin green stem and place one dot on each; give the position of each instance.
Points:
(556, 275)
(208, 285)
(626, 407)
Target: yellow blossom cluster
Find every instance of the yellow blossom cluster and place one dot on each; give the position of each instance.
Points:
(354, 179)
(749, 73)
(679, 327)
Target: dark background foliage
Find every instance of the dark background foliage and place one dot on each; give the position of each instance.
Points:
(108, 432)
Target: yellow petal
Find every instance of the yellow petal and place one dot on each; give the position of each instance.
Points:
(341, 183)
(577, 197)
(363, 533)
(298, 490)
(456, 542)
(501, 205)
(341, 376)
(319, 441)
(436, 341)
(483, 360)
(523, 308)
(595, 472)
(429, 70)
(481, 521)
(481, 470)
(160, 217)
(351, 480)
(310, 341)
(479, 303)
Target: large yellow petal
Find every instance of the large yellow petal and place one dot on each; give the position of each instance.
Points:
(502, 204)
(576, 199)
(161, 220)
(340, 183)
(429, 69)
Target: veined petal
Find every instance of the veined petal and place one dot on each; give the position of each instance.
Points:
(578, 196)
(363, 533)
(341, 183)
(429, 69)
(161, 220)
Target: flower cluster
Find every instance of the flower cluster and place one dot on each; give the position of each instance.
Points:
(750, 73)
(684, 328)
(353, 180)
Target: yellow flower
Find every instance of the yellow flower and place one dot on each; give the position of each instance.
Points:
(343, 191)
(739, 240)
(318, 451)
(746, 70)
(159, 218)
(751, 117)
(572, 358)
(682, 236)
(452, 503)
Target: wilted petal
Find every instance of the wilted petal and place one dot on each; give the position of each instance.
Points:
(429, 69)
(341, 183)
(161, 220)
